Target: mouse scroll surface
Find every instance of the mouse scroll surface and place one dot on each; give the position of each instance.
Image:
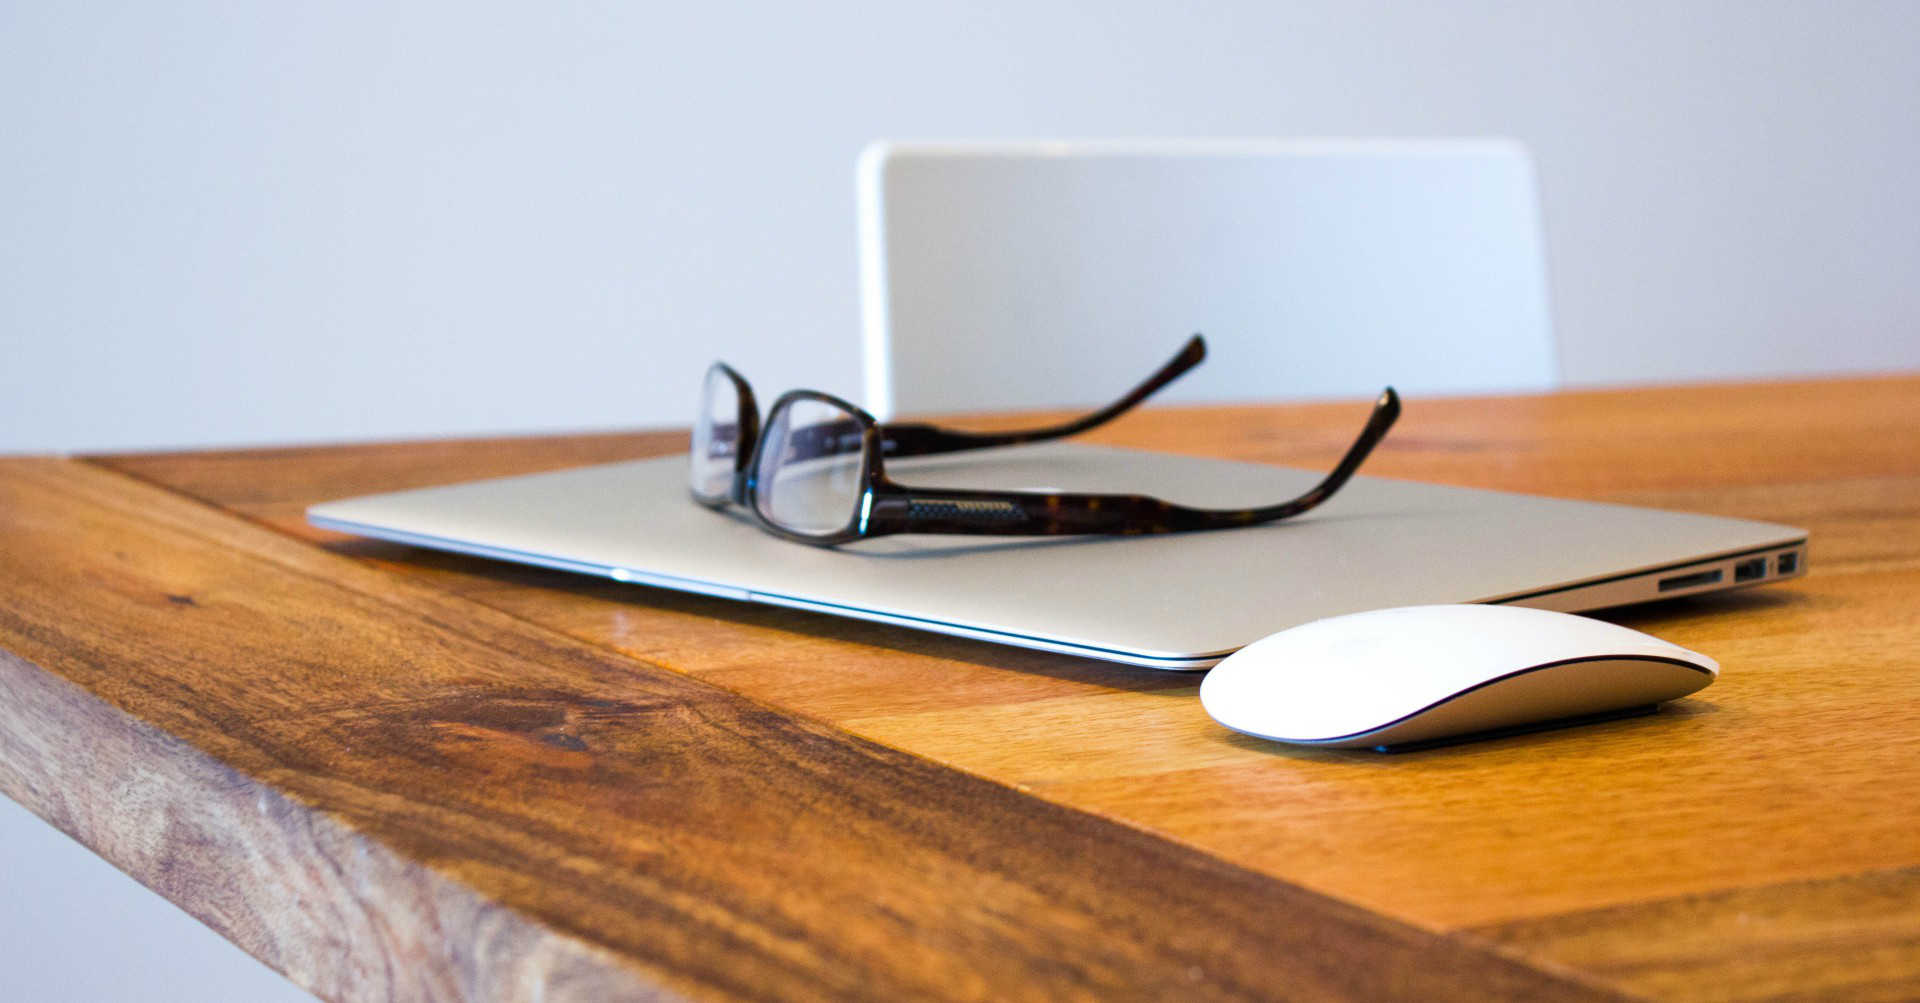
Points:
(1392, 677)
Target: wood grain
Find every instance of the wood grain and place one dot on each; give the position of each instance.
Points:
(1854, 938)
(1796, 772)
(388, 791)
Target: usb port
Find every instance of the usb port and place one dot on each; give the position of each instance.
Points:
(1789, 562)
(1751, 569)
(1689, 581)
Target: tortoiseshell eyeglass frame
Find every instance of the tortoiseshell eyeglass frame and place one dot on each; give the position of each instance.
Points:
(887, 506)
(915, 439)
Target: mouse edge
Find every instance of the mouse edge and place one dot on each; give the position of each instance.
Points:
(1419, 724)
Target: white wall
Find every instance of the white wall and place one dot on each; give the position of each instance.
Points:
(271, 222)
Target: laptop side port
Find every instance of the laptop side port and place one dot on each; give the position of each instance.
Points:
(1788, 563)
(1750, 570)
(1690, 581)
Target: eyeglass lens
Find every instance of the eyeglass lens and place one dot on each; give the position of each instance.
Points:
(809, 476)
(716, 437)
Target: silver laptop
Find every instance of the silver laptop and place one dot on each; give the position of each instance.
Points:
(1177, 601)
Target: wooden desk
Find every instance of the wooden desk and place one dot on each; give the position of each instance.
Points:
(389, 772)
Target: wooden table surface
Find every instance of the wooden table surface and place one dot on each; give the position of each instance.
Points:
(394, 773)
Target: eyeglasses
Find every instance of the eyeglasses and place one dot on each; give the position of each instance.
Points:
(816, 473)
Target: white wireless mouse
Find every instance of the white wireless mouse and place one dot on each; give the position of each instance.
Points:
(1396, 677)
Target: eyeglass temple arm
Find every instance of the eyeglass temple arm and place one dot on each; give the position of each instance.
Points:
(916, 439)
(1023, 513)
